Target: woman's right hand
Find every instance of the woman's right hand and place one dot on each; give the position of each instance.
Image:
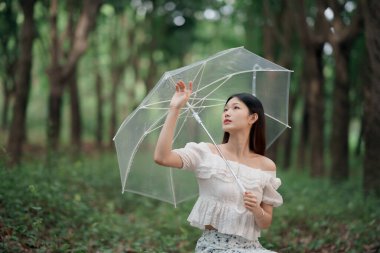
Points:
(181, 95)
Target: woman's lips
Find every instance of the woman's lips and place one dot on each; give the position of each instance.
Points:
(226, 121)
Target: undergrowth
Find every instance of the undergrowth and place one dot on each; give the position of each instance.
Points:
(76, 206)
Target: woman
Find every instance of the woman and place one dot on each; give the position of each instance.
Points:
(231, 220)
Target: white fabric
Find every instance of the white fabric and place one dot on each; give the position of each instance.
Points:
(220, 202)
(212, 241)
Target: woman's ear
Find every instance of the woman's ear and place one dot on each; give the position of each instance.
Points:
(253, 118)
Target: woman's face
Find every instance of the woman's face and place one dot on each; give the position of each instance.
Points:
(236, 116)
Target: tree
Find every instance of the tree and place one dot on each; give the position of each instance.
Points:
(371, 179)
(9, 52)
(341, 36)
(313, 41)
(278, 33)
(62, 69)
(23, 80)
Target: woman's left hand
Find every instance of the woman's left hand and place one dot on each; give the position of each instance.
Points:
(250, 202)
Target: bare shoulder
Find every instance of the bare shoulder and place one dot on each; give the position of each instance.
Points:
(267, 164)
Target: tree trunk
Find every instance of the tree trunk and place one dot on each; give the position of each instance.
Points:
(116, 75)
(316, 109)
(9, 61)
(56, 85)
(288, 136)
(371, 178)
(7, 95)
(99, 111)
(60, 73)
(76, 119)
(313, 41)
(268, 50)
(302, 154)
(283, 31)
(340, 117)
(24, 66)
(341, 40)
(54, 107)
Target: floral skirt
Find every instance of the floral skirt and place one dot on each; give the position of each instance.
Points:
(212, 241)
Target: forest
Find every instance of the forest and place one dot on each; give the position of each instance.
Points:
(72, 71)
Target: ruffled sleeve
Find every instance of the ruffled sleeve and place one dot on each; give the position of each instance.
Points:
(191, 155)
(270, 194)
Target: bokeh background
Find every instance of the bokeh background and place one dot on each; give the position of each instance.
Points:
(72, 71)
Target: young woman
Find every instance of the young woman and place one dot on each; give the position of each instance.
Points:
(231, 220)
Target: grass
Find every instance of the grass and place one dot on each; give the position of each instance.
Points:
(76, 206)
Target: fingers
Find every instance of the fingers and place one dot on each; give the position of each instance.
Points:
(250, 201)
(181, 86)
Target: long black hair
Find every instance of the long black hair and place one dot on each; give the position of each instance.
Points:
(257, 140)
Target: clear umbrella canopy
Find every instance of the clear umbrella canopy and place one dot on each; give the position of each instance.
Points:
(214, 79)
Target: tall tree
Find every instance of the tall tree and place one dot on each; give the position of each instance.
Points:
(99, 110)
(371, 179)
(121, 61)
(8, 51)
(72, 84)
(287, 43)
(23, 80)
(277, 46)
(61, 70)
(312, 39)
(341, 36)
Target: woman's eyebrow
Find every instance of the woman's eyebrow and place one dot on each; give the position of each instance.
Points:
(236, 103)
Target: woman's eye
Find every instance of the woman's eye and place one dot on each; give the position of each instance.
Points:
(225, 109)
(236, 107)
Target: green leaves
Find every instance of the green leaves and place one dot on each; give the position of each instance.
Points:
(77, 207)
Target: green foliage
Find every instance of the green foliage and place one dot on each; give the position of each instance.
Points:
(76, 206)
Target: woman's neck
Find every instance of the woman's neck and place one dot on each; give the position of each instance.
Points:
(238, 145)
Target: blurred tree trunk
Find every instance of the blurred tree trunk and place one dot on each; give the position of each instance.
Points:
(116, 77)
(9, 43)
(278, 32)
(76, 118)
(303, 145)
(9, 89)
(61, 70)
(23, 80)
(269, 42)
(72, 84)
(99, 111)
(252, 10)
(313, 41)
(371, 179)
(117, 74)
(286, 60)
(341, 40)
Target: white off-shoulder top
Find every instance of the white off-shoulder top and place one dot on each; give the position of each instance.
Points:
(220, 202)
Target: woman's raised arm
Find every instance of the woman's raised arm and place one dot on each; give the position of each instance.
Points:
(163, 154)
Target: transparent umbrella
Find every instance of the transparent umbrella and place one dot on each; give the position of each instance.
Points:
(214, 79)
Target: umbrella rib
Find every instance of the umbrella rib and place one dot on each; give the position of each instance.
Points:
(227, 78)
(279, 121)
(149, 130)
(149, 106)
(269, 144)
(182, 125)
(200, 72)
